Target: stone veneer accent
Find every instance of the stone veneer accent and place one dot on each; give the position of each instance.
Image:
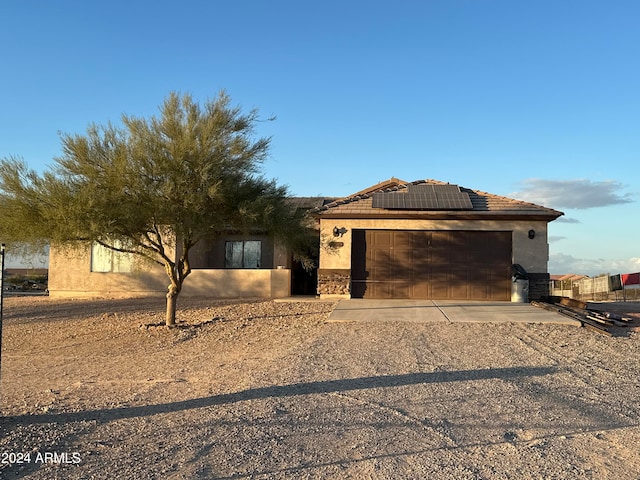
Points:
(538, 286)
(334, 282)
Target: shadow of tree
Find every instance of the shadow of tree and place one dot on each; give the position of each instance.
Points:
(281, 391)
(81, 309)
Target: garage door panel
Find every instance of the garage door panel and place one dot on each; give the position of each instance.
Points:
(459, 292)
(381, 238)
(379, 290)
(402, 290)
(458, 281)
(480, 286)
(440, 287)
(439, 256)
(420, 290)
(440, 292)
(403, 240)
(381, 264)
(432, 264)
(499, 282)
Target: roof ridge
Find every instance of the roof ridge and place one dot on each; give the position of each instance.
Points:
(367, 192)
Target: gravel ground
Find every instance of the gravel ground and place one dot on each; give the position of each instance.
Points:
(100, 390)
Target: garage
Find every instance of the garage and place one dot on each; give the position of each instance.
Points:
(454, 265)
(431, 240)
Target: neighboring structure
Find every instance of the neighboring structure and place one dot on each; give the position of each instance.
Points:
(619, 286)
(562, 285)
(424, 239)
(431, 240)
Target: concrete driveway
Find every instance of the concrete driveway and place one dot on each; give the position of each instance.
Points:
(450, 311)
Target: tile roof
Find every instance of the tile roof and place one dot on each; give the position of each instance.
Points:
(307, 203)
(567, 276)
(484, 205)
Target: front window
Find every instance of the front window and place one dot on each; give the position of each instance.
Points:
(104, 259)
(242, 254)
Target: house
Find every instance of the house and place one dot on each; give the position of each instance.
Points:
(424, 239)
(431, 240)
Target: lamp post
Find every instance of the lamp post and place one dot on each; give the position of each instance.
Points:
(2, 250)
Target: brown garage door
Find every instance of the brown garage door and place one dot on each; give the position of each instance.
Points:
(457, 265)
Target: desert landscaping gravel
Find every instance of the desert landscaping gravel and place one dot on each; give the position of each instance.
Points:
(99, 389)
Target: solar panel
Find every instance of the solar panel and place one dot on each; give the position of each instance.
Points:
(388, 201)
(424, 197)
(412, 202)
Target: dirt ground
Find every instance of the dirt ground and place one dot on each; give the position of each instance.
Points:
(267, 390)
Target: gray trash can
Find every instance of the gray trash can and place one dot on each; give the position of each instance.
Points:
(519, 284)
(520, 291)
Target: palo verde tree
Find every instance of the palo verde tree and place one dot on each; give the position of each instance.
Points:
(152, 187)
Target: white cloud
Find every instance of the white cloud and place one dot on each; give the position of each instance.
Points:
(567, 220)
(560, 263)
(574, 194)
(555, 238)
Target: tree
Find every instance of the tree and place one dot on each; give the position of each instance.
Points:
(152, 187)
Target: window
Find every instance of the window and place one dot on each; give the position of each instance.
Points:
(242, 254)
(104, 259)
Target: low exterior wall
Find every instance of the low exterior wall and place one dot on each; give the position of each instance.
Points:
(228, 283)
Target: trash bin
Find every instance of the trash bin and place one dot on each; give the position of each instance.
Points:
(519, 284)
(520, 291)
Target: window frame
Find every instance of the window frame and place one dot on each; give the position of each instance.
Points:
(248, 251)
(107, 260)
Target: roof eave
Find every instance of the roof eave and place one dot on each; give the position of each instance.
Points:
(441, 215)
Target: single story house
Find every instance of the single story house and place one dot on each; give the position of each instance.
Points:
(423, 239)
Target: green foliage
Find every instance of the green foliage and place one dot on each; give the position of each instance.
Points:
(159, 184)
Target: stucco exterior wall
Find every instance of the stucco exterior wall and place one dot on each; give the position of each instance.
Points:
(70, 276)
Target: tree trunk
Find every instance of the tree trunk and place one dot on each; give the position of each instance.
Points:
(172, 298)
(176, 272)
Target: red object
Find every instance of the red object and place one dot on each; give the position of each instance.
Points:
(630, 278)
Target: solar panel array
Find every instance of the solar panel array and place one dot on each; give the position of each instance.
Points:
(424, 197)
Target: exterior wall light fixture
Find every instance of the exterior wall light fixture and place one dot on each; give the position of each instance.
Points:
(532, 234)
(338, 232)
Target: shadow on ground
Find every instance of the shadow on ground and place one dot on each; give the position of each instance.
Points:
(280, 391)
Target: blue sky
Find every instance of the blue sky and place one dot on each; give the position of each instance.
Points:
(535, 100)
